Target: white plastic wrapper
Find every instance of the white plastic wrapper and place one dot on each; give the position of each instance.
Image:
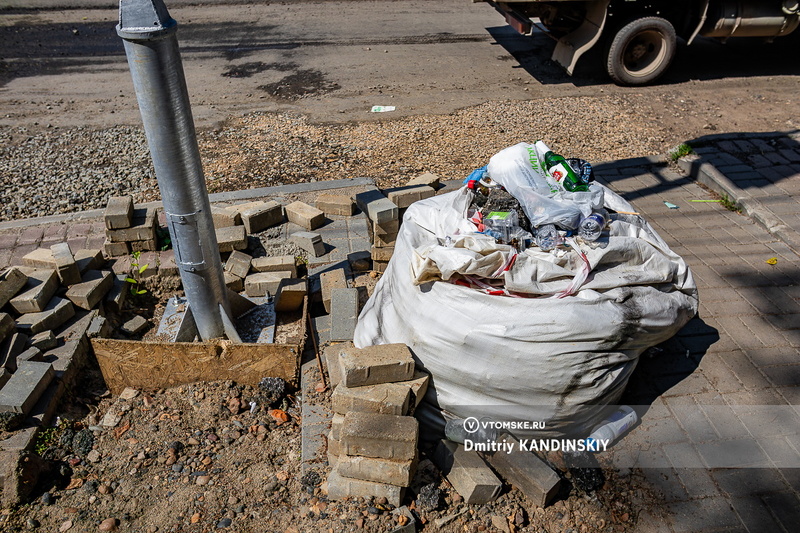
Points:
(535, 358)
(520, 169)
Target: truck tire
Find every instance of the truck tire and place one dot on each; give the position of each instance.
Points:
(641, 51)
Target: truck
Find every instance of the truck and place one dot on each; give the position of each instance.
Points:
(640, 37)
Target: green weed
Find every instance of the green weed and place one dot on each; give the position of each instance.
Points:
(681, 150)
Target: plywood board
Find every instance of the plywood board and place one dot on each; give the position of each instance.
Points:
(153, 365)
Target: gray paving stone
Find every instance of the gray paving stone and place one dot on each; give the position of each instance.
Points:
(344, 313)
(25, 387)
(57, 312)
(785, 507)
(695, 516)
(754, 514)
(735, 453)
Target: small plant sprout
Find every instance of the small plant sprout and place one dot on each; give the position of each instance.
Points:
(136, 274)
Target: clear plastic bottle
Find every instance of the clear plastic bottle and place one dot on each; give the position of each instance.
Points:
(547, 237)
(592, 226)
(613, 427)
(455, 431)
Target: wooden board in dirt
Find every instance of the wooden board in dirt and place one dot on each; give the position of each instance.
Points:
(155, 365)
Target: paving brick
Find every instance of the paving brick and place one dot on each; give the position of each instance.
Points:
(134, 326)
(58, 311)
(330, 280)
(238, 264)
(262, 283)
(8, 240)
(386, 398)
(360, 261)
(44, 340)
(91, 259)
(377, 207)
(54, 233)
(403, 197)
(735, 453)
(344, 314)
(260, 217)
(469, 475)
(331, 355)
(142, 228)
(31, 235)
(31, 354)
(92, 289)
(11, 282)
(10, 348)
(115, 299)
(225, 217)
(25, 387)
(310, 242)
(785, 507)
(116, 249)
(67, 268)
(291, 293)
(273, 264)
(754, 513)
(526, 472)
(382, 254)
(385, 363)
(336, 204)
(384, 241)
(305, 215)
(380, 435)
(231, 238)
(39, 258)
(428, 178)
(166, 264)
(39, 289)
(149, 245)
(233, 282)
(380, 266)
(340, 487)
(119, 212)
(397, 473)
(693, 516)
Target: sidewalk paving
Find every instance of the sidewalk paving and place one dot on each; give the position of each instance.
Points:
(740, 351)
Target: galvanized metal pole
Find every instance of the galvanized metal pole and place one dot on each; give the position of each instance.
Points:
(151, 44)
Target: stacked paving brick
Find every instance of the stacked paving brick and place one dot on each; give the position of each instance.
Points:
(46, 308)
(372, 444)
(385, 209)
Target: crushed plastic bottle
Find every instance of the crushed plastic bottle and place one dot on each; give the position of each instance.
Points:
(476, 431)
(591, 227)
(613, 427)
(547, 237)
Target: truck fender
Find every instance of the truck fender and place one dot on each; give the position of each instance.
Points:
(572, 46)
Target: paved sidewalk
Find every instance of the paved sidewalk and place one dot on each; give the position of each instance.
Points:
(725, 391)
(742, 351)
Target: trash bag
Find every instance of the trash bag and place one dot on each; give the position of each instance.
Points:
(526, 354)
(519, 169)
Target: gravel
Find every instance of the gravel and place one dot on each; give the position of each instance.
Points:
(60, 170)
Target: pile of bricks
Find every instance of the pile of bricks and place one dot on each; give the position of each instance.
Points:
(128, 229)
(276, 276)
(372, 444)
(49, 304)
(385, 209)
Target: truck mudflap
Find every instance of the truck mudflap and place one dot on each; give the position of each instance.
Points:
(572, 46)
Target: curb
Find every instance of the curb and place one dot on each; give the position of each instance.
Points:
(707, 174)
(230, 196)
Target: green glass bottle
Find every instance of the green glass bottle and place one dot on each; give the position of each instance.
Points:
(563, 173)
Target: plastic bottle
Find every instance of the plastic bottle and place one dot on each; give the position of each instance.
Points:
(592, 226)
(563, 173)
(614, 426)
(547, 237)
(455, 431)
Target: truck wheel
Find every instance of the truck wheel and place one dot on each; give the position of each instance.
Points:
(641, 51)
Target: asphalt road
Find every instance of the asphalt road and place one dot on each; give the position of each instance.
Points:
(334, 60)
